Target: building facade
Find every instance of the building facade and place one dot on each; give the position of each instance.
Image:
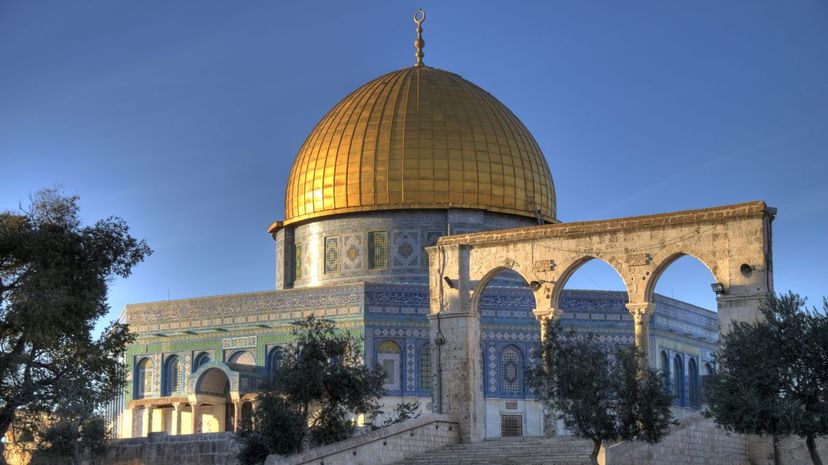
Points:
(410, 157)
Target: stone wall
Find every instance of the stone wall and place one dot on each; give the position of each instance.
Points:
(162, 449)
(383, 446)
(792, 451)
(695, 441)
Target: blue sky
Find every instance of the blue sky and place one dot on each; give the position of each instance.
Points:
(184, 117)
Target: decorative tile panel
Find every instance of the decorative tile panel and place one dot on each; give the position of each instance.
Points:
(406, 249)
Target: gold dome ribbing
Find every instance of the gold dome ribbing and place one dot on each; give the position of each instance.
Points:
(419, 138)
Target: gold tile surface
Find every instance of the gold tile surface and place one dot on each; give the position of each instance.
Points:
(419, 137)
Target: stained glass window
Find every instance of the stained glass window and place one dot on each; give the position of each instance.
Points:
(377, 250)
(331, 254)
(511, 370)
(297, 261)
(172, 375)
(388, 357)
(143, 375)
(677, 378)
(693, 380)
(425, 368)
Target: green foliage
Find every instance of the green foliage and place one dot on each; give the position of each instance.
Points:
(773, 372)
(600, 396)
(320, 383)
(279, 430)
(402, 412)
(54, 276)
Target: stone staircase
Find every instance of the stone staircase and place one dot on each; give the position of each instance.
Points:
(510, 451)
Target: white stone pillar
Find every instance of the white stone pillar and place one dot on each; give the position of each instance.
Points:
(146, 421)
(237, 414)
(176, 419)
(196, 424)
(641, 312)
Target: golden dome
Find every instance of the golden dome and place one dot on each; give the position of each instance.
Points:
(419, 138)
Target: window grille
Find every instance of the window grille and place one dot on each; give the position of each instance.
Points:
(201, 359)
(173, 375)
(377, 250)
(511, 425)
(144, 378)
(425, 368)
(297, 261)
(331, 254)
(389, 358)
(694, 382)
(511, 371)
(678, 380)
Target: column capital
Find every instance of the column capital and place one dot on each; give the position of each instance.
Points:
(544, 313)
(641, 311)
(177, 405)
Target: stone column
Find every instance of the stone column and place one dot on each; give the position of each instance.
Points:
(544, 316)
(455, 333)
(176, 419)
(146, 421)
(641, 312)
(194, 420)
(237, 414)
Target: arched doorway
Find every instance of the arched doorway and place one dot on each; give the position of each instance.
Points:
(213, 397)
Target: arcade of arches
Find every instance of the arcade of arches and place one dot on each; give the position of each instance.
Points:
(734, 242)
(211, 406)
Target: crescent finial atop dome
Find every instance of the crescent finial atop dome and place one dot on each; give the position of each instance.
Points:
(419, 44)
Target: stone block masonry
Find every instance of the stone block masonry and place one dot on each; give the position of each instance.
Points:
(161, 449)
(383, 446)
(696, 441)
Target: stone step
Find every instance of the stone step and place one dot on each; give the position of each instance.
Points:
(510, 451)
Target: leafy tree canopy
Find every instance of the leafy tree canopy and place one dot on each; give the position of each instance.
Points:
(54, 276)
(599, 395)
(773, 373)
(320, 382)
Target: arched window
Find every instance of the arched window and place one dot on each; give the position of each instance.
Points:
(242, 360)
(511, 370)
(172, 375)
(665, 370)
(389, 358)
(143, 378)
(200, 360)
(425, 368)
(678, 379)
(274, 359)
(693, 381)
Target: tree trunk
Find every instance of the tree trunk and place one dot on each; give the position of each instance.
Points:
(596, 448)
(777, 460)
(6, 418)
(811, 443)
(76, 456)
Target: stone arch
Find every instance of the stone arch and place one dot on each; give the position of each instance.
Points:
(213, 381)
(572, 267)
(242, 360)
(663, 263)
(490, 276)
